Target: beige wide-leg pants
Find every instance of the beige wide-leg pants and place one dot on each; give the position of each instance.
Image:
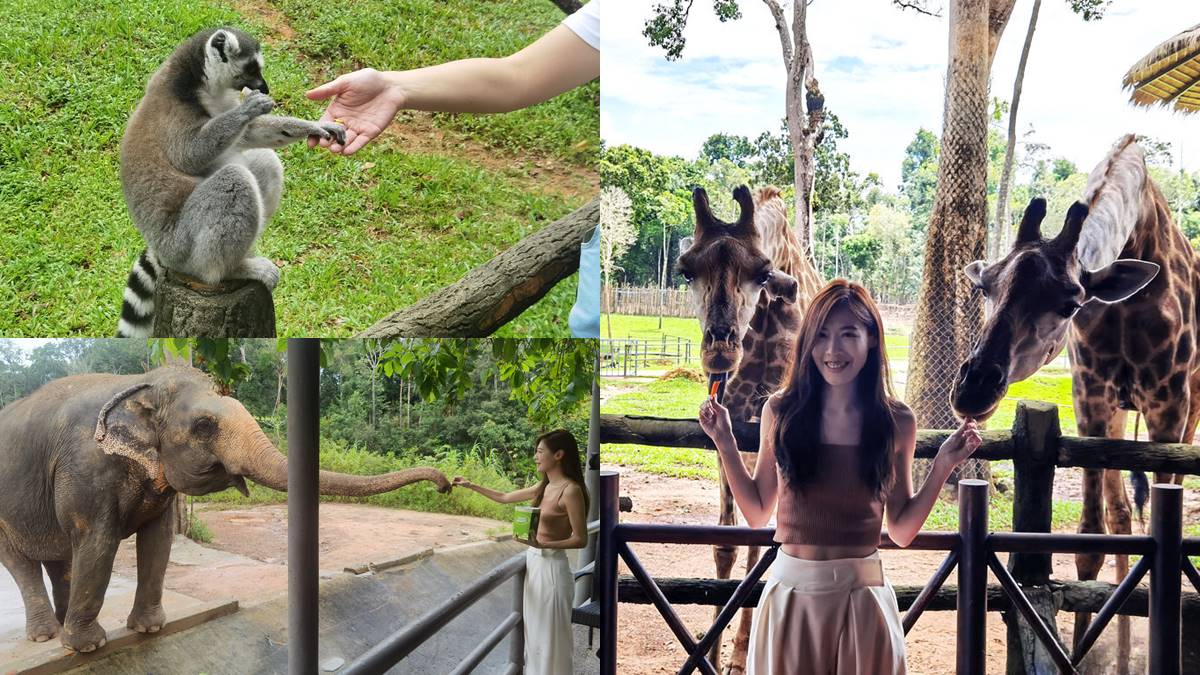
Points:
(827, 616)
(549, 588)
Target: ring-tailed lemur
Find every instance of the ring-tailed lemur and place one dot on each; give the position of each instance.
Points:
(197, 167)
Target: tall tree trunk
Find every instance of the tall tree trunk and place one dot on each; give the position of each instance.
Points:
(804, 122)
(949, 315)
(1000, 240)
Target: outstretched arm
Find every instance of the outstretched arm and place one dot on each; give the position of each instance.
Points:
(522, 495)
(572, 500)
(907, 512)
(367, 100)
(755, 495)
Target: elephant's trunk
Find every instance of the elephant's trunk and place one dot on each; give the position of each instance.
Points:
(250, 453)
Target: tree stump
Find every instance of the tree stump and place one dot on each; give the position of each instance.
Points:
(184, 307)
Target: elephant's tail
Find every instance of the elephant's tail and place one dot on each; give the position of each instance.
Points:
(137, 306)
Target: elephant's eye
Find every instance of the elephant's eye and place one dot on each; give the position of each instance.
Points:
(204, 427)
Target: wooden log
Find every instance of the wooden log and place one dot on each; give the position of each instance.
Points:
(184, 307)
(490, 295)
(665, 432)
(1026, 655)
(1108, 453)
(1076, 596)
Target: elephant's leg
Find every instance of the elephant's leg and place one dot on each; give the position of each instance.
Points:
(153, 552)
(59, 572)
(40, 623)
(91, 568)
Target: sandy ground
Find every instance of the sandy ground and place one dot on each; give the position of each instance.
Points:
(350, 534)
(647, 646)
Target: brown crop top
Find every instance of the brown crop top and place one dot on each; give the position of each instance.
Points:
(835, 508)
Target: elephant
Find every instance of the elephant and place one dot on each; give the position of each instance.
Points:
(88, 460)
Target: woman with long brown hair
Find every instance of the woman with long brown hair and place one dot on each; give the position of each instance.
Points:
(563, 503)
(835, 454)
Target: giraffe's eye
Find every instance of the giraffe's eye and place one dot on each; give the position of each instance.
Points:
(687, 276)
(1068, 309)
(763, 278)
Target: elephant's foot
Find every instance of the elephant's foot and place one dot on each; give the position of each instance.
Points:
(146, 619)
(41, 629)
(84, 638)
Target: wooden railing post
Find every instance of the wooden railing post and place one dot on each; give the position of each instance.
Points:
(1166, 526)
(1035, 437)
(606, 570)
(972, 576)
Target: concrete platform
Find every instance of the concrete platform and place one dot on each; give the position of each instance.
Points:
(19, 656)
(356, 612)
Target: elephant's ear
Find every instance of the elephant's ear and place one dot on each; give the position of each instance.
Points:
(126, 431)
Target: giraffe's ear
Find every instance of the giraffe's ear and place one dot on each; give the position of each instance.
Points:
(974, 273)
(1118, 281)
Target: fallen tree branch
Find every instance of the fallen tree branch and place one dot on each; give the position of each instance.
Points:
(492, 294)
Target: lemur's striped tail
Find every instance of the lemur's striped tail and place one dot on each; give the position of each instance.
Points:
(137, 309)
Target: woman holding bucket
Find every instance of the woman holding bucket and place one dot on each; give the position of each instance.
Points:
(835, 455)
(562, 503)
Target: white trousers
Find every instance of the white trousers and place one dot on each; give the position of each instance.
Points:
(549, 589)
(827, 616)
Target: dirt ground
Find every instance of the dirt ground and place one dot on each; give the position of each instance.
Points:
(646, 645)
(350, 534)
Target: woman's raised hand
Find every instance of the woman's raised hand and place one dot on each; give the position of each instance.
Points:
(714, 420)
(366, 103)
(961, 444)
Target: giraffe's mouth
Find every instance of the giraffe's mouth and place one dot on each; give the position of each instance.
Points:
(716, 385)
(720, 358)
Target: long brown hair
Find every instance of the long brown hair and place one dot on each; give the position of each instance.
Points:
(572, 468)
(798, 422)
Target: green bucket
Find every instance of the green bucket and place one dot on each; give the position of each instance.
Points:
(525, 523)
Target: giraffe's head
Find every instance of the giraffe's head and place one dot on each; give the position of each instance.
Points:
(1032, 294)
(727, 272)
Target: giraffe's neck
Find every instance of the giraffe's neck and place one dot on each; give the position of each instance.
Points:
(1114, 195)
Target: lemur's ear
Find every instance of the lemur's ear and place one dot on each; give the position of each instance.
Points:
(224, 43)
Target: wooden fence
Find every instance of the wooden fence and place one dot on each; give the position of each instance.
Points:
(1036, 447)
(647, 301)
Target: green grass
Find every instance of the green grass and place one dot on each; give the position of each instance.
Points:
(355, 241)
(422, 496)
(197, 531)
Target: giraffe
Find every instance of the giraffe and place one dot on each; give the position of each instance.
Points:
(750, 283)
(1118, 285)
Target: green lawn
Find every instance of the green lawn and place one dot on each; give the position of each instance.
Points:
(357, 237)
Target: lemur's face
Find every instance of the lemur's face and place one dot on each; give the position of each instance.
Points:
(233, 61)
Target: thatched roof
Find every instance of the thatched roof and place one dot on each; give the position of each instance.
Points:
(1169, 74)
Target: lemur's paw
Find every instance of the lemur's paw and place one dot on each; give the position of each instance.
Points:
(331, 131)
(84, 638)
(257, 103)
(146, 619)
(262, 269)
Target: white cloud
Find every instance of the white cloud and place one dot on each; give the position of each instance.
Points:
(882, 72)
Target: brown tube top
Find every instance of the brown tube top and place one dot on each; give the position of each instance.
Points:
(835, 508)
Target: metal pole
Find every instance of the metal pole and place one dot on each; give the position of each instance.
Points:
(606, 570)
(304, 377)
(1166, 526)
(972, 576)
(516, 646)
(591, 480)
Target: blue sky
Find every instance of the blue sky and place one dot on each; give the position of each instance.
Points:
(882, 72)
